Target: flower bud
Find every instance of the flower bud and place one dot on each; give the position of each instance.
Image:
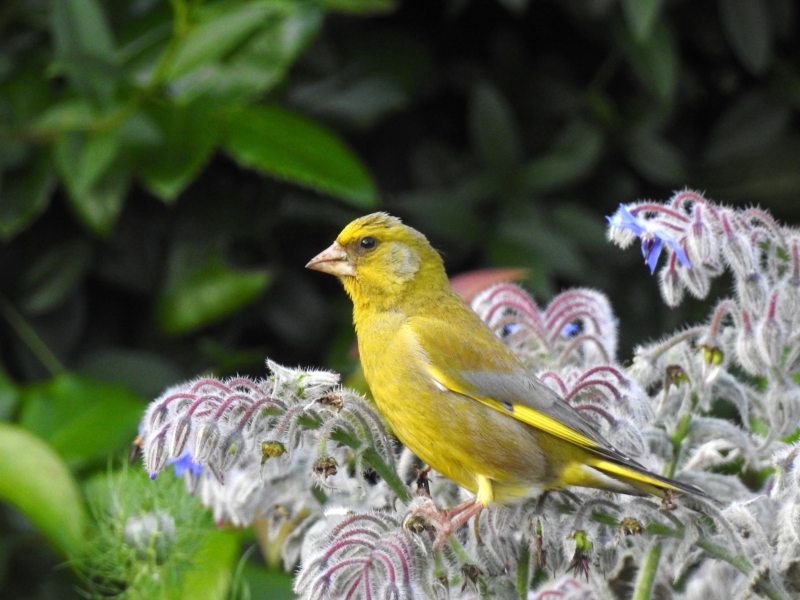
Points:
(737, 250)
(771, 336)
(150, 532)
(747, 348)
(695, 280)
(701, 243)
(752, 292)
(671, 285)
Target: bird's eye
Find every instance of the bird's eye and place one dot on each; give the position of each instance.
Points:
(368, 242)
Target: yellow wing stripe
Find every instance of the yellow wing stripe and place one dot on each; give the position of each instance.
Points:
(527, 415)
(610, 467)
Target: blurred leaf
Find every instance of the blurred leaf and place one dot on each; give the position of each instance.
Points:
(493, 129)
(291, 147)
(752, 123)
(9, 396)
(24, 194)
(220, 29)
(208, 294)
(747, 27)
(214, 564)
(144, 373)
(266, 583)
(96, 183)
(35, 480)
(84, 420)
(190, 134)
(641, 15)
(572, 157)
(655, 158)
(72, 114)
(240, 50)
(359, 6)
(54, 275)
(655, 61)
(84, 45)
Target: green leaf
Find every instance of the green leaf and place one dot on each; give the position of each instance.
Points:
(574, 154)
(207, 295)
(54, 275)
(214, 562)
(218, 33)
(266, 583)
(96, 180)
(84, 420)
(25, 193)
(358, 6)
(84, 45)
(73, 114)
(641, 15)
(747, 28)
(754, 122)
(35, 480)
(294, 148)
(656, 61)
(656, 159)
(257, 61)
(9, 396)
(189, 135)
(494, 129)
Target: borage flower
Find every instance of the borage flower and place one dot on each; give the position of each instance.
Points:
(185, 462)
(653, 237)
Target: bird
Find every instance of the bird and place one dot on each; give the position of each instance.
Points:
(454, 393)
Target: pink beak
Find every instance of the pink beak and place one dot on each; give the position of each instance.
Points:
(334, 260)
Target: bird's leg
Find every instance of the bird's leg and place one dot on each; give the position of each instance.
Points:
(446, 521)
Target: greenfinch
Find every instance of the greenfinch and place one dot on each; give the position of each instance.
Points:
(452, 391)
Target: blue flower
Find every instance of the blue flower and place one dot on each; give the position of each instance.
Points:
(183, 462)
(653, 237)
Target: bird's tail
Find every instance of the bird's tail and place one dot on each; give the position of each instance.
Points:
(640, 479)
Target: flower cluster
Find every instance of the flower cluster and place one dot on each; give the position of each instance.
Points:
(715, 405)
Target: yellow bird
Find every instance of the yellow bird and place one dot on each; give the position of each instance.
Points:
(452, 392)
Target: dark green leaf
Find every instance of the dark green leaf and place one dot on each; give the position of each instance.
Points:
(84, 45)
(73, 114)
(95, 179)
(9, 396)
(24, 194)
(655, 158)
(493, 128)
(753, 123)
(145, 373)
(189, 135)
(358, 6)
(239, 50)
(35, 480)
(266, 583)
(54, 275)
(572, 157)
(656, 61)
(219, 32)
(208, 294)
(641, 15)
(749, 32)
(291, 147)
(83, 419)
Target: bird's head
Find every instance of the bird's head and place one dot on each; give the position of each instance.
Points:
(379, 260)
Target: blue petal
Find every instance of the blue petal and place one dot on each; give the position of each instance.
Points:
(183, 462)
(653, 253)
(676, 248)
(625, 220)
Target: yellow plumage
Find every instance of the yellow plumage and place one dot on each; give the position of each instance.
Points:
(451, 390)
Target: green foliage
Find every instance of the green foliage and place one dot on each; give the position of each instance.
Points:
(167, 168)
(36, 480)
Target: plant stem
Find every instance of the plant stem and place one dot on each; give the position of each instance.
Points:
(647, 573)
(523, 570)
(29, 336)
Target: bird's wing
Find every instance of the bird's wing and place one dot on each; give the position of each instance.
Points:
(481, 367)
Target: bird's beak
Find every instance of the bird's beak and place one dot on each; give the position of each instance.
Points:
(334, 260)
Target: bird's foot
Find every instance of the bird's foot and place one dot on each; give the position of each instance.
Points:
(441, 523)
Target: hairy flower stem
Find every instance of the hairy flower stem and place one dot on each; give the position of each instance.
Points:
(647, 573)
(523, 570)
